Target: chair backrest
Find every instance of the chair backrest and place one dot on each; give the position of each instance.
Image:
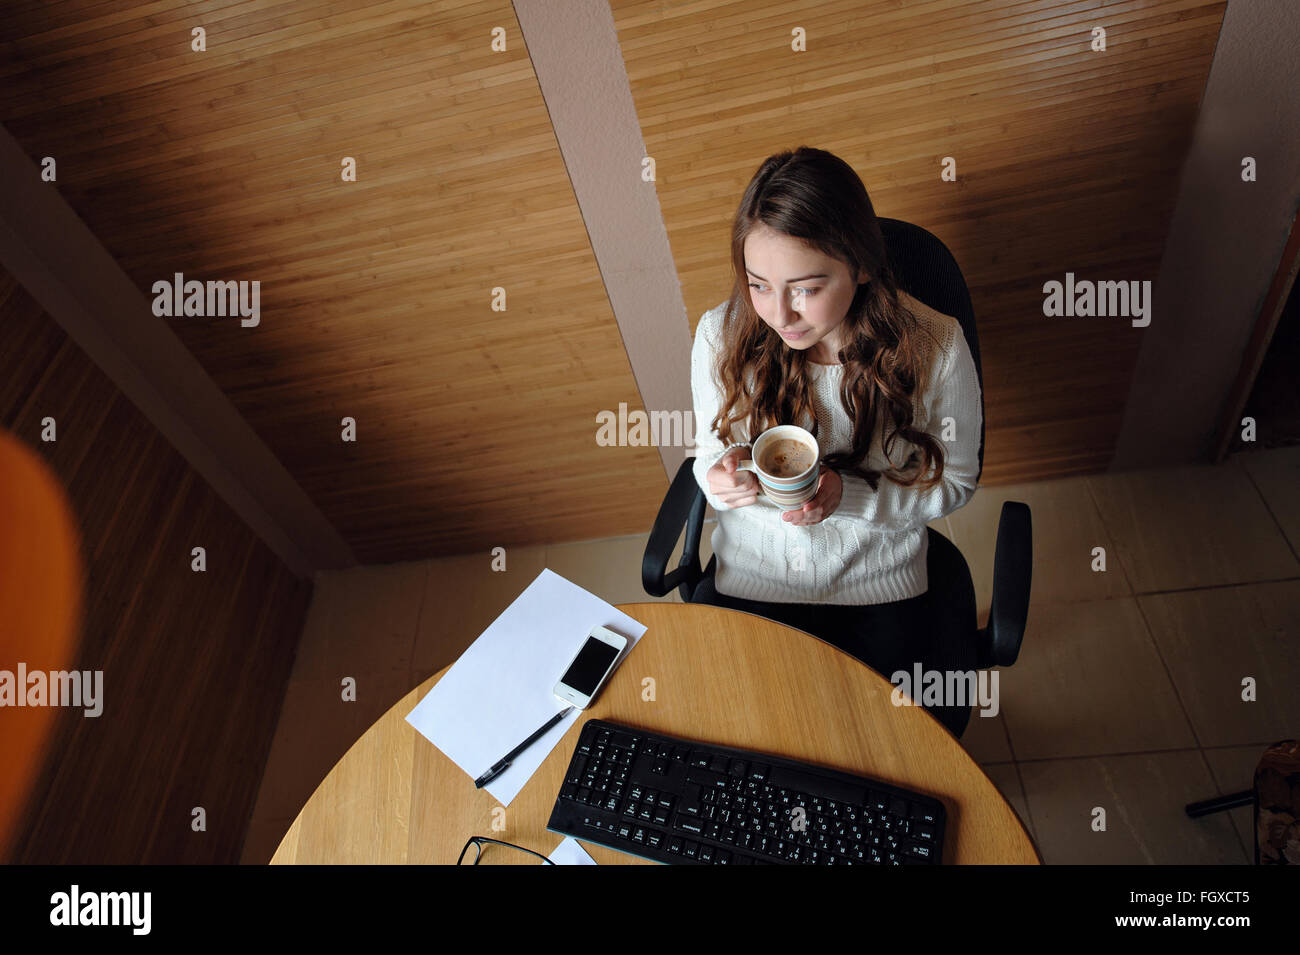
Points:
(926, 270)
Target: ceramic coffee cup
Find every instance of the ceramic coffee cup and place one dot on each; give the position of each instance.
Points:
(789, 491)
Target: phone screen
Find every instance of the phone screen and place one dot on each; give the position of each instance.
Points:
(589, 666)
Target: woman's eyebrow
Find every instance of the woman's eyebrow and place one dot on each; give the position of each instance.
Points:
(801, 278)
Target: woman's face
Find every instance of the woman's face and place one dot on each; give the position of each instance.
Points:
(802, 293)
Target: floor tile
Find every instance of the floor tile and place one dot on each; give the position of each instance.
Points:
(1007, 779)
(1090, 682)
(264, 837)
(1143, 797)
(1196, 526)
(1213, 639)
(1233, 768)
(359, 616)
(465, 594)
(1276, 474)
(985, 738)
(316, 728)
(1066, 528)
(609, 568)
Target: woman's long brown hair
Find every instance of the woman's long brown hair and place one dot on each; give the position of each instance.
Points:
(815, 196)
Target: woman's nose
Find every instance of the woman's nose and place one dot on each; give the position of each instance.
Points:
(789, 304)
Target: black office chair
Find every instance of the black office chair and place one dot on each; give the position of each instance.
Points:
(926, 270)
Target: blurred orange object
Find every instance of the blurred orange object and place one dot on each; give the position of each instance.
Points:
(40, 609)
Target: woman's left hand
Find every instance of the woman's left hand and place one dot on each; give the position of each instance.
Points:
(824, 502)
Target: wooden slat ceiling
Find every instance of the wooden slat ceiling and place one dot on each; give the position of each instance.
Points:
(1067, 160)
(477, 428)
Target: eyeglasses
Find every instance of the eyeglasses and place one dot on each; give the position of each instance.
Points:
(478, 841)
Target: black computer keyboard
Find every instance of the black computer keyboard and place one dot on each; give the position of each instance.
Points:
(679, 801)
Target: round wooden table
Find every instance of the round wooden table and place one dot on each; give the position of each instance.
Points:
(720, 676)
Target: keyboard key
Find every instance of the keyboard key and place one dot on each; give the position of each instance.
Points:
(687, 824)
(738, 768)
(690, 849)
(898, 806)
(706, 853)
(699, 760)
(576, 768)
(718, 764)
(923, 813)
(675, 845)
(919, 851)
(654, 839)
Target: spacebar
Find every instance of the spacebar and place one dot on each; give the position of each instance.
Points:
(816, 785)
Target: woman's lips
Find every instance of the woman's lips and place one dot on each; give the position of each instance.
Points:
(791, 336)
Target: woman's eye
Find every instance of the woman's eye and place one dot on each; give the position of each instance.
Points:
(805, 291)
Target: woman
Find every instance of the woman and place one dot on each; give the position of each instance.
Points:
(817, 333)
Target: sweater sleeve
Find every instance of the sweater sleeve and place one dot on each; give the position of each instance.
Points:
(898, 508)
(707, 397)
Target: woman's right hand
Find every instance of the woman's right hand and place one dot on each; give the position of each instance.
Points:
(733, 487)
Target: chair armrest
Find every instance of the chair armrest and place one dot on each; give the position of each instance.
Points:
(1013, 562)
(682, 506)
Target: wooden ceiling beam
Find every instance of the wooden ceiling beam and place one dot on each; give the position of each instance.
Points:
(52, 253)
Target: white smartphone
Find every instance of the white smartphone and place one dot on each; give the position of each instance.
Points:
(590, 666)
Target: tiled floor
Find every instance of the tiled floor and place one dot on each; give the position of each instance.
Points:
(1127, 695)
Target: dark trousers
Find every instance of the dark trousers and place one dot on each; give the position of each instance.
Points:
(931, 629)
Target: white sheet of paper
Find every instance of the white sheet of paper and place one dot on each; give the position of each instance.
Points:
(502, 688)
(569, 852)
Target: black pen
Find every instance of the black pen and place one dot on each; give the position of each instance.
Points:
(509, 757)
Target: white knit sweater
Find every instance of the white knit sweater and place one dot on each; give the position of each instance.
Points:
(872, 549)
